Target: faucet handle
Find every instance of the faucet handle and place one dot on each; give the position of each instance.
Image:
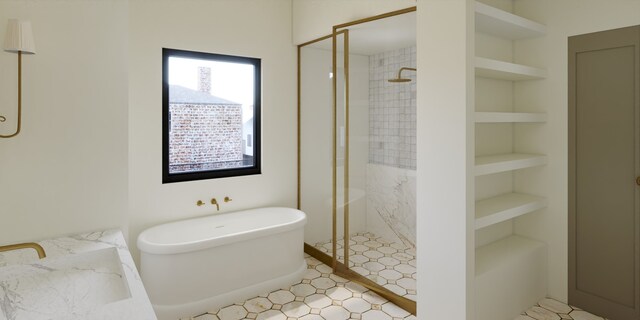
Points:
(200, 203)
(227, 199)
(215, 202)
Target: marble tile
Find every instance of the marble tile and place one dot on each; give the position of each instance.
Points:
(555, 306)
(376, 315)
(335, 313)
(281, 297)
(357, 305)
(373, 298)
(271, 315)
(341, 299)
(339, 293)
(583, 315)
(550, 309)
(318, 301)
(207, 317)
(295, 309)
(373, 266)
(391, 211)
(257, 305)
(323, 283)
(303, 290)
(372, 254)
(232, 313)
(394, 311)
(540, 313)
(311, 274)
(397, 289)
(387, 261)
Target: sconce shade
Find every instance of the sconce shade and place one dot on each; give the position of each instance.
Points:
(19, 37)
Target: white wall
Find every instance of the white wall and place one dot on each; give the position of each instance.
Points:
(315, 18)
(445, 144)
(253, 28)
(67, 171)
(316, 99)
(563, 19)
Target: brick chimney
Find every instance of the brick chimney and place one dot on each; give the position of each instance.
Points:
(204, 79)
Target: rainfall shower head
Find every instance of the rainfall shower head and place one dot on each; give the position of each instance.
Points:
(400, 78)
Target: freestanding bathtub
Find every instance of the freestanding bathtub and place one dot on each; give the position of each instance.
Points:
(189, 267)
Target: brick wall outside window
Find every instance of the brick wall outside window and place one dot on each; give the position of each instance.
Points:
(205, 136)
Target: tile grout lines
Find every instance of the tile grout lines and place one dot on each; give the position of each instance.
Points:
(321, 295)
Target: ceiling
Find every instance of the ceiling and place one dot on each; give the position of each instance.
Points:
(378, 36)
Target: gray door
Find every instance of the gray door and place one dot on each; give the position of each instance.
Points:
(604, 162)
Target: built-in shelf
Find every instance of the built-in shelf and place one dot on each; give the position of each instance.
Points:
(510, 273)
(507, 162)
(499, 253)
(498, 117)
(496, 69)
(505, 207)
(504, 24)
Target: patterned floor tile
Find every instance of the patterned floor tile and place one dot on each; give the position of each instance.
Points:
(550, 309)
(389, 264)
(319, 296)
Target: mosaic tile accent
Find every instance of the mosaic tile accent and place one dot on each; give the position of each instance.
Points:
(392, 109)
(550, 309)
(389, 264)
(319, 296)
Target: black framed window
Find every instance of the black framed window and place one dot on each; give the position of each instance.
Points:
(210, 115)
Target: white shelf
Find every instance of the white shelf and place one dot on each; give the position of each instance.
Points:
(498, 117)
(513, 267)
(504, 24)
(507, 162)
(498, 253)
(505, 207)
(496, 69)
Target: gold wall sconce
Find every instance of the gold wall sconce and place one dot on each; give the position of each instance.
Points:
(18, 39)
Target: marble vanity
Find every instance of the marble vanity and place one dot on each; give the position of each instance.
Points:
(86, 276)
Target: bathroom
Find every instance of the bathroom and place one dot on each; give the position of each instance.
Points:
(89, 154)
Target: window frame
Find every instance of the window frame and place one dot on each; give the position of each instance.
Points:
(218, 173)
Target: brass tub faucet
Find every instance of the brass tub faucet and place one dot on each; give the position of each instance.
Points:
(215, 202)
(30, 245)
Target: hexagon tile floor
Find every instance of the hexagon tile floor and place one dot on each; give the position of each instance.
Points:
(389, 264)
(321, 295)
(549, 309)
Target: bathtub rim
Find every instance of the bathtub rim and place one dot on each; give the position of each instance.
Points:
(148, 247)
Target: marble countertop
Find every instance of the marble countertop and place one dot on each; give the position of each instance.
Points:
(86, 276)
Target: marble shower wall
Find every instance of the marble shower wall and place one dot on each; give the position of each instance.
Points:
(391, 182)
(391, 203)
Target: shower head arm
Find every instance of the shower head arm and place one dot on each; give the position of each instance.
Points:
(405, 68)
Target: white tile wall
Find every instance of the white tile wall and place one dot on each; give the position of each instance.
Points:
(392, 113)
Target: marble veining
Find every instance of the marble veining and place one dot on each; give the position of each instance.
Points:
(87, 276)
(391, 203)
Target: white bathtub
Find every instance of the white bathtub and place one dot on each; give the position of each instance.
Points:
(192, 266)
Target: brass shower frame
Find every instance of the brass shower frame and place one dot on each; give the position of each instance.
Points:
(340, 268)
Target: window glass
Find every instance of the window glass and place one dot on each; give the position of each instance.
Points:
(211, 110)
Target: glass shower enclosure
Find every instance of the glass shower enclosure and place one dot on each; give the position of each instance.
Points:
(357, 155)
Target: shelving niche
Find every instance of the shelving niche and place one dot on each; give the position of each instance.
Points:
(509, 265)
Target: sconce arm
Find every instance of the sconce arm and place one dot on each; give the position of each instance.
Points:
(2, 118)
